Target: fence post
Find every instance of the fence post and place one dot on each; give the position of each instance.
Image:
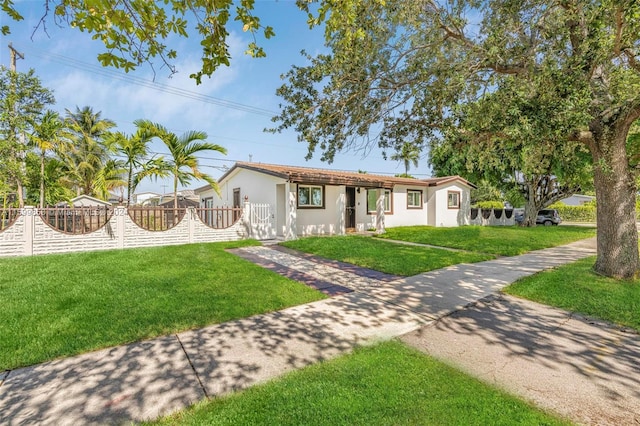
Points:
(29, 216)
(247, 218)
(191, 218)
(120, 212)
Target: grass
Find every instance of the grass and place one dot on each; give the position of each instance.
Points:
(383, 256)
(575, 287)
(60, 305)
(496, 240)
(386, 384)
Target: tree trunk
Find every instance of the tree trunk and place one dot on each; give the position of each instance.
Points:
(530, 213)
(175, 190)
(616, 213)
(20, 189)
(42, 158)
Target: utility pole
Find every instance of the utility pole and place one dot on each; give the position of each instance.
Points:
(14, 56)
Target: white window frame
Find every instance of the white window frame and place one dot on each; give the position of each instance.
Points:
(413, 192)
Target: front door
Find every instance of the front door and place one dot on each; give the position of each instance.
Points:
(350, 210)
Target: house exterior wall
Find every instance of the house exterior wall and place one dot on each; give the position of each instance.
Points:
(444, 216)
(322, 221)
(258, 187)
(401, 214)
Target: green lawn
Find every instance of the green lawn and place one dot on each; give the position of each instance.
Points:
(497, 240)
(575, 287)
(383, 256)
(59, 305)
(387, 384)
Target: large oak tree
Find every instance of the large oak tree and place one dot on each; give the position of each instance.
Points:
(399, 68)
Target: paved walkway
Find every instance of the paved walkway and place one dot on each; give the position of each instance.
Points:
(151, 378)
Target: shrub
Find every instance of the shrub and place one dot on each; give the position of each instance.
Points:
(584, 213)
(489, 205)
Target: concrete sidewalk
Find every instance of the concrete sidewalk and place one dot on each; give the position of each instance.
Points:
(148, 379)
(585, 370)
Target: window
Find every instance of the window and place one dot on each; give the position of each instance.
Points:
(310, 196)
(453, 199)
(414, 199)
(372, 197)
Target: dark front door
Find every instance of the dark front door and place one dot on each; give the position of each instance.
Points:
(350, 211)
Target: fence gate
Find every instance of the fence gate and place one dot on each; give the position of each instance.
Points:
(262, 221)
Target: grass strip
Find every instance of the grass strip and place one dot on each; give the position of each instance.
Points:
(575, 287)
(496, 240)
(383, 256)
(386, 384)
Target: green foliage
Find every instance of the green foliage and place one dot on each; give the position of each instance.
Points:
(489, 204)
(584, 213)
(183, 164)
(577, 288)
(22, 101)
(88, 154)
(137, 31)
(485, 191)
(72, 303)
(385, 384)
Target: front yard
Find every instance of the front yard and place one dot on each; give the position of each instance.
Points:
(61, 305)
(383, 256)
(496, 240)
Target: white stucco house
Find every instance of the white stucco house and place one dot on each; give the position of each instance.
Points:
(577, 200)
(310, 201)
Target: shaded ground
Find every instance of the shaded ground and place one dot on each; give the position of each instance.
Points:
(586, 370)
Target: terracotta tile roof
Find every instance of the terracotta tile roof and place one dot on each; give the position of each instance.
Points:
(308, 175)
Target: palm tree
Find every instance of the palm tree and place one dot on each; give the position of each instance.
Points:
(135, 150)
(183, 165)
(409, 154)
(47, 137)
(108, 178)
(88, 154)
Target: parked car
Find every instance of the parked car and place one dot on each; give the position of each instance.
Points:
(546, 217)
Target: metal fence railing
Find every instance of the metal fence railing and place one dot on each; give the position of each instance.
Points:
(156, 218)
(7, 217)
(76, 220)
(219, 217)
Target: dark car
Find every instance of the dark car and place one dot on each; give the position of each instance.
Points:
(548, 217)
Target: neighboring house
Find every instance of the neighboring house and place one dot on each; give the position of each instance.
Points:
(577, 200)
(183, 203)
(142, 198)
(86, 201)
(161, 199)
(308, 201)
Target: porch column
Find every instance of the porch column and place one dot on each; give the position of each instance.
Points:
(380, 211)
(341, 205)
(290, 232)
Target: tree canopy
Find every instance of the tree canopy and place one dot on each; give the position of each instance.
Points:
(135, 32)
(402, 70)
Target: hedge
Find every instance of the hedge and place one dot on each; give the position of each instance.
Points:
(585, 213)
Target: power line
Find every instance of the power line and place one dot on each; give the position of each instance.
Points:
(74, 63)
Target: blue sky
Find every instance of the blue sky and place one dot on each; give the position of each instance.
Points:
(65, 61)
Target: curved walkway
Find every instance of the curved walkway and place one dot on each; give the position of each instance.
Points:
(151, 378)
